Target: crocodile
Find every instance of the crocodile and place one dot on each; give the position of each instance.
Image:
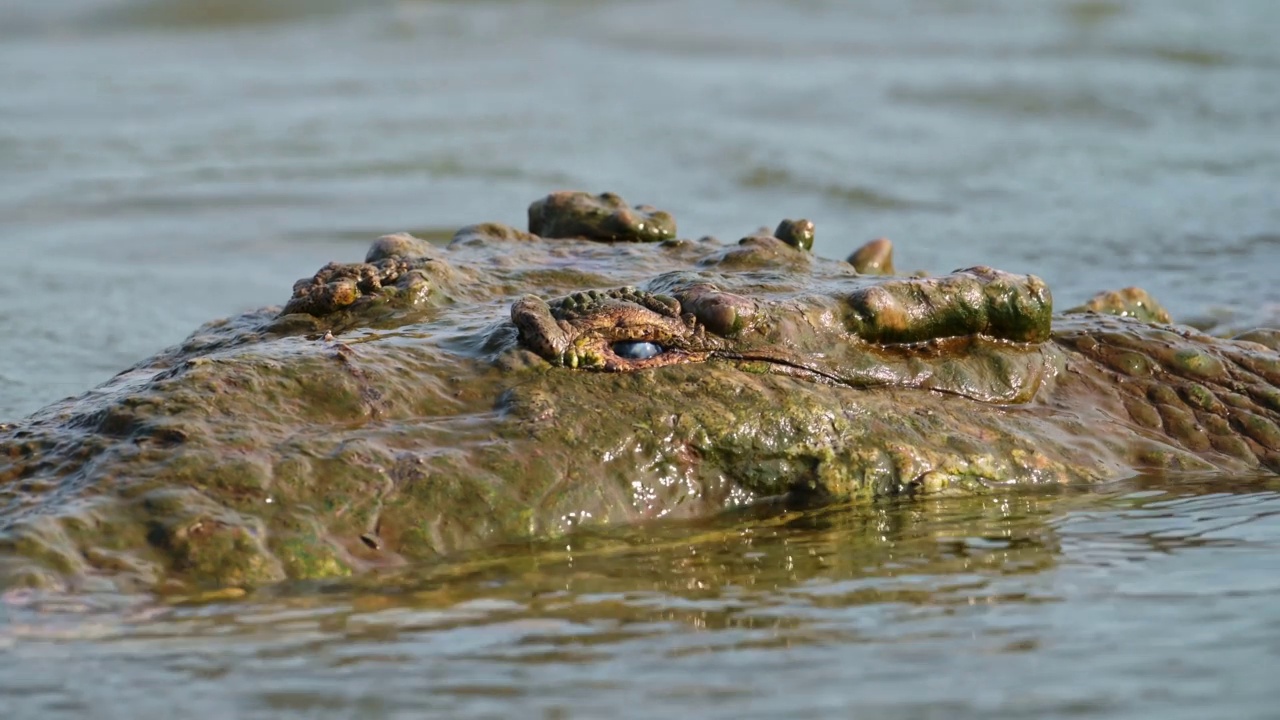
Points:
(598, 369)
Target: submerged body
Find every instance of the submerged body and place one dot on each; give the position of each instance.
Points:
(513, 384)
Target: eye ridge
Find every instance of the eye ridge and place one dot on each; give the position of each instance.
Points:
(637, 349)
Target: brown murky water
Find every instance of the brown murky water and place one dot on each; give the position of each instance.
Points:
(163, 162)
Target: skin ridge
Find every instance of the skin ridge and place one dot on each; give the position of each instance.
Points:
(430, 400)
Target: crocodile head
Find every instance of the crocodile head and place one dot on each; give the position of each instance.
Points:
(597, 369)
(973, 333)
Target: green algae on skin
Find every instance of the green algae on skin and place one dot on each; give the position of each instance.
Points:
(431, 400)
(978, 301)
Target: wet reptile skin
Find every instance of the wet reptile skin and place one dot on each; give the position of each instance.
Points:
(432, 399)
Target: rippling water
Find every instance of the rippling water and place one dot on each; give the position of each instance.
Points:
(163, 162)
(1148, 599)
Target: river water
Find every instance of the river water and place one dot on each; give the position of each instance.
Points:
(164, 162)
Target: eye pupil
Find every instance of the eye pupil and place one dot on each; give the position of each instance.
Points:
(637, 350)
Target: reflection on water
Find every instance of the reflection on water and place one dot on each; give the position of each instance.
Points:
(1152, 598)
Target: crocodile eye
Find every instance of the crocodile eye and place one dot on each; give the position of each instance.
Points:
(637, 350)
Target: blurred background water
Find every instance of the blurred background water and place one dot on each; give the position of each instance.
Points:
(164, 162)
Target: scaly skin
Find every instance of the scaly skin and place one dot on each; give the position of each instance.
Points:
(426, 400)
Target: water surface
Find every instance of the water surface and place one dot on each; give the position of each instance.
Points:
(164, 162)
(1150, 598)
